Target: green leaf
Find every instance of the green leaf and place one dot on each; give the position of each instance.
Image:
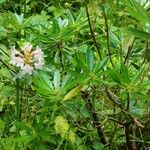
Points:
(27, 22)
(137, 112)
(23, 126)
(42, 84)
(115, 76)
(56, 28)
(101, 65)
(136, 10)
(124, 72)
(15, 20)
(72, 93)
(135, 65)
(81, 62)
(144, 84)
(138, 33)
(2, 127)
(148, 55)
(24, 139)
(70, 17)
(66, 33)
(65, 80)
(90, 59)
(138, 76)
(57, 79)
(142, 96)
(45, 78)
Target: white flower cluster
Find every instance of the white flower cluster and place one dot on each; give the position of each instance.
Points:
(27, 59)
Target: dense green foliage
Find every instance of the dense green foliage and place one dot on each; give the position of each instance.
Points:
(93, 92)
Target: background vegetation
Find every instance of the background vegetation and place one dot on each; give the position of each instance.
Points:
(93, 92)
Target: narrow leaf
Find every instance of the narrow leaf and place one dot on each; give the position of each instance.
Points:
(90, 59)
(73, 93)
(57, 79)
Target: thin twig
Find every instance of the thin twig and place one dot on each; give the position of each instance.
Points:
(128, 101)
(92, 32)
(128, 143)
(18, 112)
(113, 98)
(127, 127)
(96, 123)
(129, 52)
(107, 35)
(145, 54)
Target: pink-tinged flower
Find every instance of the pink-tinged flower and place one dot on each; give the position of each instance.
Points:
(38, 58)
(38, 54)
(16, 61)
(39, 64)
(26, 48)
(27, 69)
(28, 59)
(16, 58)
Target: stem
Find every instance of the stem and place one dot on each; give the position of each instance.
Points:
(145, 54)
(26, 99)
(96, 123)
(107, 37)
(20, 9)
(129, 52)
(115, 128)
(60, 143)
(128, 143)
(92, 32)
(61, 59)
(145, 3)
(127, 55)
(17, 115)
(25, 8)
(127, 113)
(128, 101)
(25, 14)
(17, 101)
(28, 108)
(127, 127)
(143, 143)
